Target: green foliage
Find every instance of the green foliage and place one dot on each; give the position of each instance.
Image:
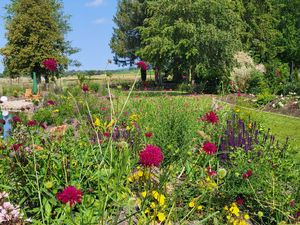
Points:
(35, 32)
(257, 83)
(264, 98)
(200, 36)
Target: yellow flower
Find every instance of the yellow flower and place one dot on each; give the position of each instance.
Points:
(134, 118)
(152, 205)
(144, 194)
(237, 110)
(56, 111)
(192, 204)
(161, 217)
(155, 194)
(140, 173)
(130, 179)
(234, 209)
(97, 122)
(200, 207)
(112, 122)
(250, 125)
(246, 217)
(161, 200)
(147, 211)
(226, 207)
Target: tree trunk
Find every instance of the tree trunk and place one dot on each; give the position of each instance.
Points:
(144, 75)
(291, 70)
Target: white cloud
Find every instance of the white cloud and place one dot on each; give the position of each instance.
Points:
(95, 3)
(100, 21)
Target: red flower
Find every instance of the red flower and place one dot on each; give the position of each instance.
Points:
(50, 64)
(85, 88)
(239, 93)
(106, 134)
(16, 147)
(151, 156)
(51, 102)
(142, 65)
(209, 148)
(211, 172)
(240, 201)
(70, 194)
(210, 117)
(32, 123)
(2, 121)
(247, 174)
(148, 134)
(16, 119)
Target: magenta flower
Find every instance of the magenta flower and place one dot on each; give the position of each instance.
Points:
(50, 64)
(148, 134)
(16, 119)
(142, 65)
(70, 194)
(210, 117)
(151, 156)
(16, 147)
(209, 148)
(85, 88)
(211, 172)
(51, 102)
(247, 174)
(32, 123)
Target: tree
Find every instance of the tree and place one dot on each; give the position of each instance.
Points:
(289, 26)
(192, 36)
(262, 37)
(35, 32)
(126, 39)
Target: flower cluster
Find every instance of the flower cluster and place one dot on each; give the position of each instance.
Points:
(70, 194)
(151, 156)
(139, 175)
(9, 214)
(247, 174)
(156, 203)
(50, 64)
(235, 216)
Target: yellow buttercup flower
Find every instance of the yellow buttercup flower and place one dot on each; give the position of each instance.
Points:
(144, 194)
(161, 200)
(152, 205)
(97, 122)
(55, 111)
(200, 207)
(192, 204)
(140, 173)
(155, 194)
(246, 217)
(161, 217)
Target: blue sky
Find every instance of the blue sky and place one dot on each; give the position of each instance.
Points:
(92, 26)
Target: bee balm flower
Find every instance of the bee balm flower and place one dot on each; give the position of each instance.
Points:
(70, 194)
(151, 156)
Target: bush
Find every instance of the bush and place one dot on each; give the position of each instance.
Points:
(257, 83)
(265, 98)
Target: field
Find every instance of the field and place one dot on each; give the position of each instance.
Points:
(98, 155)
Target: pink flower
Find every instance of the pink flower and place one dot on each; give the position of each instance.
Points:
(151, 156)
(239, 93)
(43, 125)
(106, 134)
(50, 64)
(51, 102)
(148, 134)
(85, 88)
(142, 65)
(210, 117)
(209, 148)
(32, 123)
(70, 194)
(247, 174)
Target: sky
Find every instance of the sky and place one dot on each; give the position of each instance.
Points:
(92, 27)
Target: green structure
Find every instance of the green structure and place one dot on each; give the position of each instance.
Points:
(35, 85)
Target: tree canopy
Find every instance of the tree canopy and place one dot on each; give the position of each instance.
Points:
(35, 32)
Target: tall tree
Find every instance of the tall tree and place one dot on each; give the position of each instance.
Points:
(35, 32)
(126, 39)
(198, 36)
